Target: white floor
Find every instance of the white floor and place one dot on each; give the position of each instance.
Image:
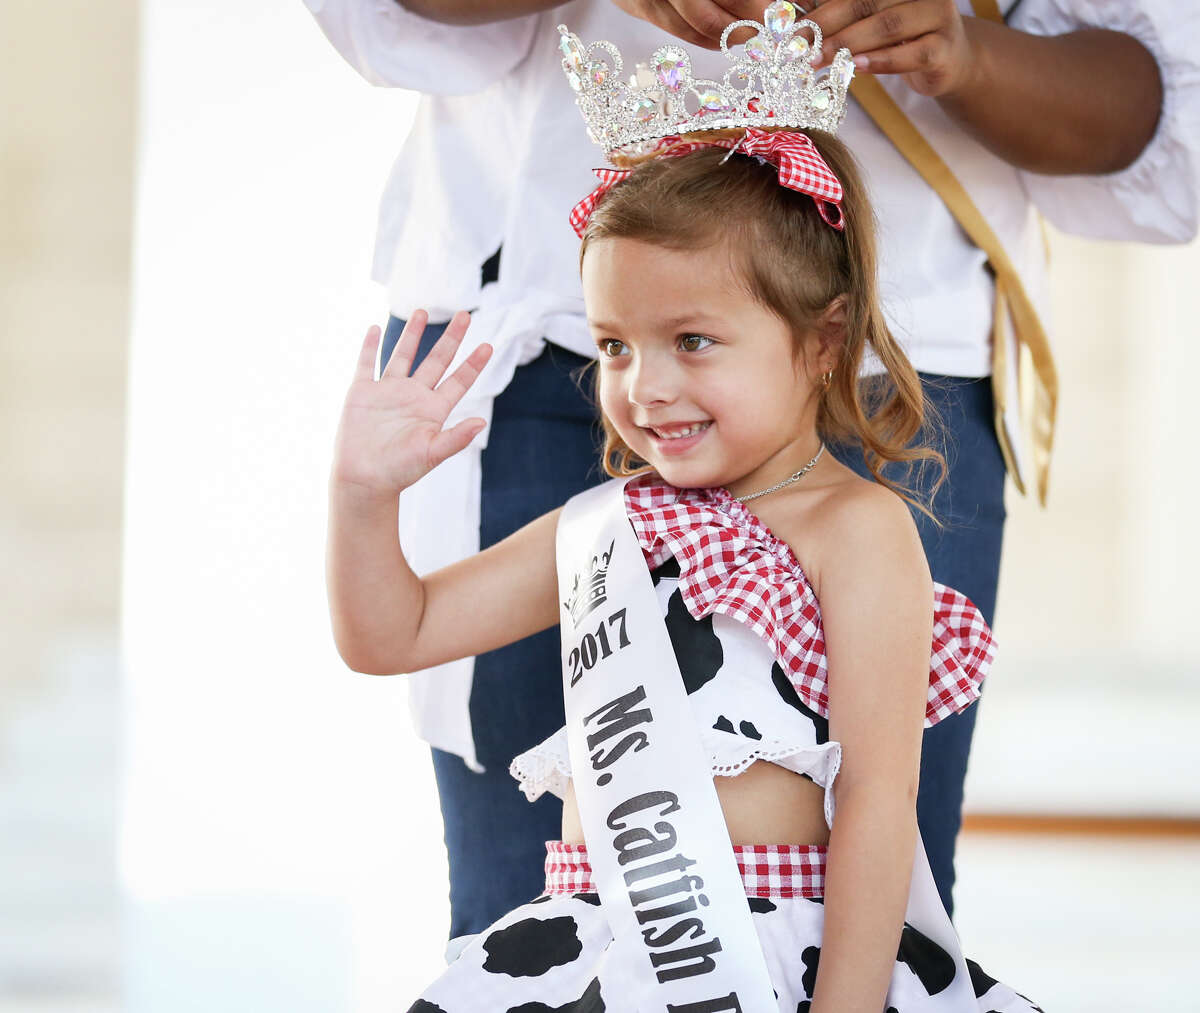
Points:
(1080, 926)
(1084, 925)
(59, 922)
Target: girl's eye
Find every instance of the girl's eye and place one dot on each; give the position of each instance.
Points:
(694, 342)
(611, 348)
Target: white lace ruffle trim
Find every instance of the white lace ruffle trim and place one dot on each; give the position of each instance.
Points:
(544, 768)
(547, 767)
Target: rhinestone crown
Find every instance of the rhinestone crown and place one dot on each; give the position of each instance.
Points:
(770, 82)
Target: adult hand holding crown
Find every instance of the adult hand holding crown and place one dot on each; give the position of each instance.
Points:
(1029, 99)
(925, 40)
(699, 22)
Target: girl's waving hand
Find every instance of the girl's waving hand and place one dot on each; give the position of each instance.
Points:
(391, 429)
(386, 619)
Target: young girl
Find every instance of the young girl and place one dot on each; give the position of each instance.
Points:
(731, 316)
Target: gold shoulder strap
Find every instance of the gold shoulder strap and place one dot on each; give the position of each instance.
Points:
(1014, 309)
(989, 9)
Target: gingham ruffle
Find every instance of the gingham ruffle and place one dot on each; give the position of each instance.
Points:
(768, 870)
(582, 211)
(731, 563)
(801, 168)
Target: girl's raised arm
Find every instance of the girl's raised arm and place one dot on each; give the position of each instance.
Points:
(877, 613)
(385, 618)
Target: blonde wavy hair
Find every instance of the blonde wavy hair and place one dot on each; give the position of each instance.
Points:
(795, 265)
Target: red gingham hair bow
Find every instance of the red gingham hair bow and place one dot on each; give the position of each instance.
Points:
(801, 168)
(582, 211)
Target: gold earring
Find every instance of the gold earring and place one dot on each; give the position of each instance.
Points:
(827, 379)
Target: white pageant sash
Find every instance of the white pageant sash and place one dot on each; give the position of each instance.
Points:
(945, 974)
(660, 854)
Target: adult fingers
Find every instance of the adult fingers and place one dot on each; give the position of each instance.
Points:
(666, 15)
(451, 441)
(710, 19)
(440, 355)
(746, 10)
(925, 55)
(364, 369)
(406, 348)
(452, 389)
(890, 27)
(837, 15)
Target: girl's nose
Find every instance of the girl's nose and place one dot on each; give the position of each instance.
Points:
(650, 383)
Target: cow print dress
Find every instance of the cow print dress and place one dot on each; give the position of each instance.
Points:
(746, 629)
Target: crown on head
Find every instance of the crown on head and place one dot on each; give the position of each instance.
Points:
(770, 83)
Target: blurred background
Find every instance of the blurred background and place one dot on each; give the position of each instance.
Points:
(199, 807)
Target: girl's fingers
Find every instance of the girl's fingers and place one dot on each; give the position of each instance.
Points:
(364, 369)
(452, 389)
(406, 348)
(451, 441)
(435, 363)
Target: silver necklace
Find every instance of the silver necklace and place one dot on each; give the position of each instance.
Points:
(787, 481)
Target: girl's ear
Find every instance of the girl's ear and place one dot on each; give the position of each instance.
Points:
(831, 333)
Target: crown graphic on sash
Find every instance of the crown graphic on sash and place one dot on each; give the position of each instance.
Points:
(770, 83)
(590, 588)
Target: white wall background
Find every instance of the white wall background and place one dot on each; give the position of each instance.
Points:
(1096, 690)
(272, 801)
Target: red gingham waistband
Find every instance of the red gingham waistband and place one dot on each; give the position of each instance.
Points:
(768, 870)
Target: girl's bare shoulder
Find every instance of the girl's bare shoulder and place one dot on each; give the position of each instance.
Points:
(851, 525)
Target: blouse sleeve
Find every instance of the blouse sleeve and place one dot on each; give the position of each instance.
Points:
(1155, 199)
(391, 46)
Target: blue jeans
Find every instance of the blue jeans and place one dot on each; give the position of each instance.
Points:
(544, 448)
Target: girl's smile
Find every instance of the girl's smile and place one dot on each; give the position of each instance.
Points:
(677, 439)
(699, 379)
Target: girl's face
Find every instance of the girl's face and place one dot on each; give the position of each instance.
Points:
(701, 381)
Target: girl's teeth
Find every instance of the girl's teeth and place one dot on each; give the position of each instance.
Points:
(679, 434)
